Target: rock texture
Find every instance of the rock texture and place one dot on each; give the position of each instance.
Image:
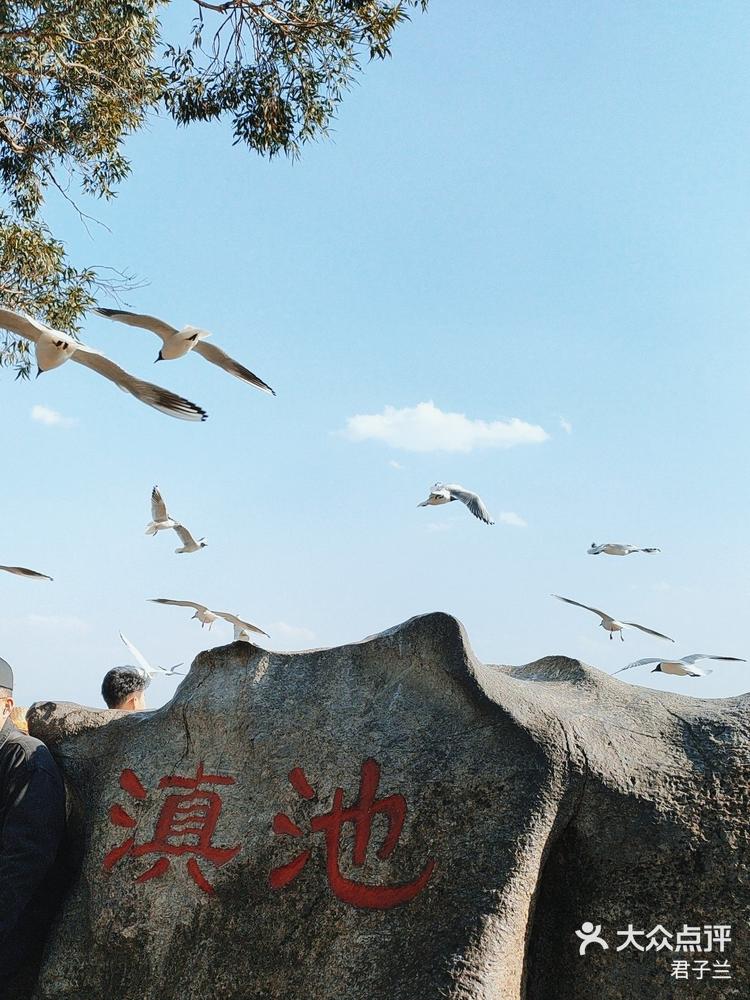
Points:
(393, 819)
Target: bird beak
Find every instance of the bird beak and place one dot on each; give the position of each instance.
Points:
(423, 504)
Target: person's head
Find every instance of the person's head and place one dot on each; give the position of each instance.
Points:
(124, 688)
(6, 690)
(18, 718)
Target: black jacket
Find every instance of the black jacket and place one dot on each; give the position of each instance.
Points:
(32, 824)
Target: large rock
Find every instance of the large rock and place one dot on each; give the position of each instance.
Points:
(246, 840)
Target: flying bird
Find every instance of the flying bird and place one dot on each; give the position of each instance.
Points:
(204, 616)
(684, 667)
(177, 343)
(189, 544)
(440, 494)
(22, 571)
(146, 667)
(616, 549)
(240, 624)
(207, 617)
(612, 624)
(160, 519)
(54, 348)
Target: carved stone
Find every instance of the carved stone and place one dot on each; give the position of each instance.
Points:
(533, 799)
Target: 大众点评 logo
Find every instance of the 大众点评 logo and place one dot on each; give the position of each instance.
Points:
(690, 940)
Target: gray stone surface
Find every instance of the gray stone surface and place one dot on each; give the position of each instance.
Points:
(544, 796)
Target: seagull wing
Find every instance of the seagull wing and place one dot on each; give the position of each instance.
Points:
(152, 395)
(473, 502)
(697, 672)
(179, 604)
(25, 326)
(22, 571)
(637, 663)
(141, 320)
(602, 614)
(185, 537)
(158, 507)
(218, 357)
(139, 657)
(694, 657)
(649, 631)
(239, 623)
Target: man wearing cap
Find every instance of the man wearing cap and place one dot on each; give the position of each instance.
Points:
(32, 824)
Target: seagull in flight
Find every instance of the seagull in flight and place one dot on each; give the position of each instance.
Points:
(146, 667)
(208, 617)
(243, 626)
(177, 343)
(22, 571)
(612, 624)
(54, 348)
(440, 494)
(160, 519)
(616, 549)
(204, 616)
(684, 667)
(189, 544)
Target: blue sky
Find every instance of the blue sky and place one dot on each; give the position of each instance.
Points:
(534, 210)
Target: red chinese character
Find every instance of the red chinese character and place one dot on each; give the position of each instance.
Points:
(186, 825)
(361, 814)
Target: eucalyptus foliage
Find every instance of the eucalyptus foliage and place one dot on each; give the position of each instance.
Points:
(78, 76)
(278, 69)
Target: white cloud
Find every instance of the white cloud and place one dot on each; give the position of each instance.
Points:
(425, 427)
(662, 587)
(508, 517)
(566, 425)
(395, 465)
(50, 418)
(292, 633)
(434, 528)
(63, 623)
(69, 624)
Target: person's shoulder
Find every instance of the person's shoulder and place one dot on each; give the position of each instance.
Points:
(29, 751)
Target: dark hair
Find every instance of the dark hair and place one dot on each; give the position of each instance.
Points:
(120, 683)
